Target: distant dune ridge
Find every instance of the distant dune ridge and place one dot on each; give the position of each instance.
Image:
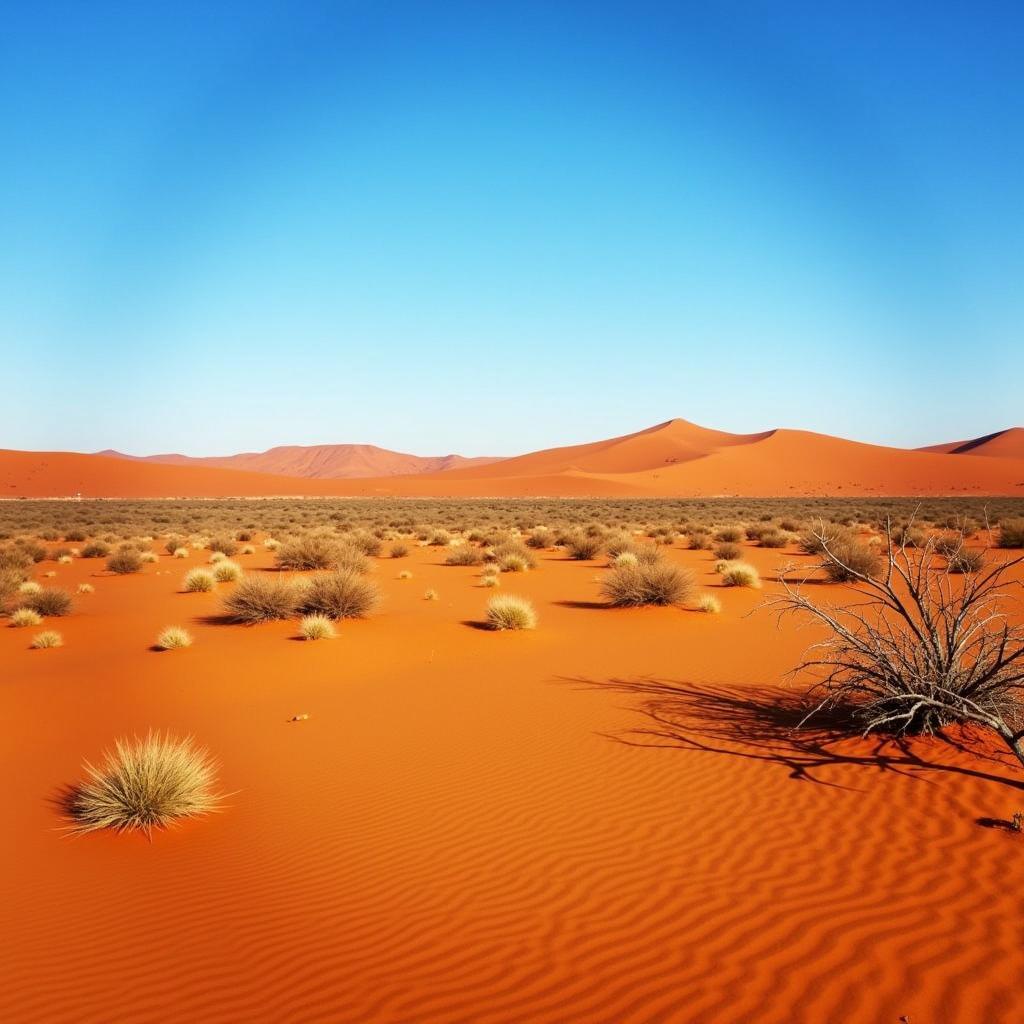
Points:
(671, 459)
(319, 461)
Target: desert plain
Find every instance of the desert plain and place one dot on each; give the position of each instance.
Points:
(608, 817)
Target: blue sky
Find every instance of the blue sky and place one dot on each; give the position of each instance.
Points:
(493, 227)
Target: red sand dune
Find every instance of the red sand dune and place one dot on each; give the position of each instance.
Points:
(676, 458)
(584, 823)
(1003, 444)
(332, 461)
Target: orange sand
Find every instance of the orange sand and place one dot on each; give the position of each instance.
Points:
(479, 827)
(672, 459)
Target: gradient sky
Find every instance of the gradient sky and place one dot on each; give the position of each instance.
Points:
(491, 227)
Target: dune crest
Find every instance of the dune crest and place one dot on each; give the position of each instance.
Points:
(675, 458)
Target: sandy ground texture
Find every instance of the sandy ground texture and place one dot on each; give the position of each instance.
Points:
(603, 820)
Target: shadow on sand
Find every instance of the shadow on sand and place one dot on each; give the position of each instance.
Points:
(764, 724)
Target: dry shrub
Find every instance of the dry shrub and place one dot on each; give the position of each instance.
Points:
(464, 554)
(847, 559)
(728, 552)
(814, 539)
(307, 553)
(225, 545)
(125, 561)
(48, 603)
(657, 583)
(258, 599)
(96, 549)
(583, 547)
(339, 595)
(918, 651)
(1011, 533)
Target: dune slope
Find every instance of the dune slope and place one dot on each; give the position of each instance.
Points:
(671, 459)
(1003, 444)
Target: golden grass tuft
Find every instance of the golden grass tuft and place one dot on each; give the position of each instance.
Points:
(740, 574)
(172, 638)
(709, 604)
(145, 784)
(198, 581)
(86, 588)
(47, 639)
(22, 617)
(508, 611)
(226, 571)
(317, 627)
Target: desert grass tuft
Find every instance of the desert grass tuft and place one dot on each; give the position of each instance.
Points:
(740, 574)
(508, 611)
(317, 627)
(86, 588)
(145, 784)
(48, 638)
(172, 638)
(198, 581)
(709, 604)
(21, 617)
(227, 571)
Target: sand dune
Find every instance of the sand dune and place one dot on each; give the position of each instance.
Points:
(330, 461)
(1003, 444)
(675, 458)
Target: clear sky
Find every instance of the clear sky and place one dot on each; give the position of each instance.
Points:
(490, 227)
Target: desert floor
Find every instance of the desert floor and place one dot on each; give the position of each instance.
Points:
(603, 820)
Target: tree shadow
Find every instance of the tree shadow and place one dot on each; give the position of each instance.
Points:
(772, 725)
(999, 824)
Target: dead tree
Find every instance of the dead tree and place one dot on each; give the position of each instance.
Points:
(920, 647)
